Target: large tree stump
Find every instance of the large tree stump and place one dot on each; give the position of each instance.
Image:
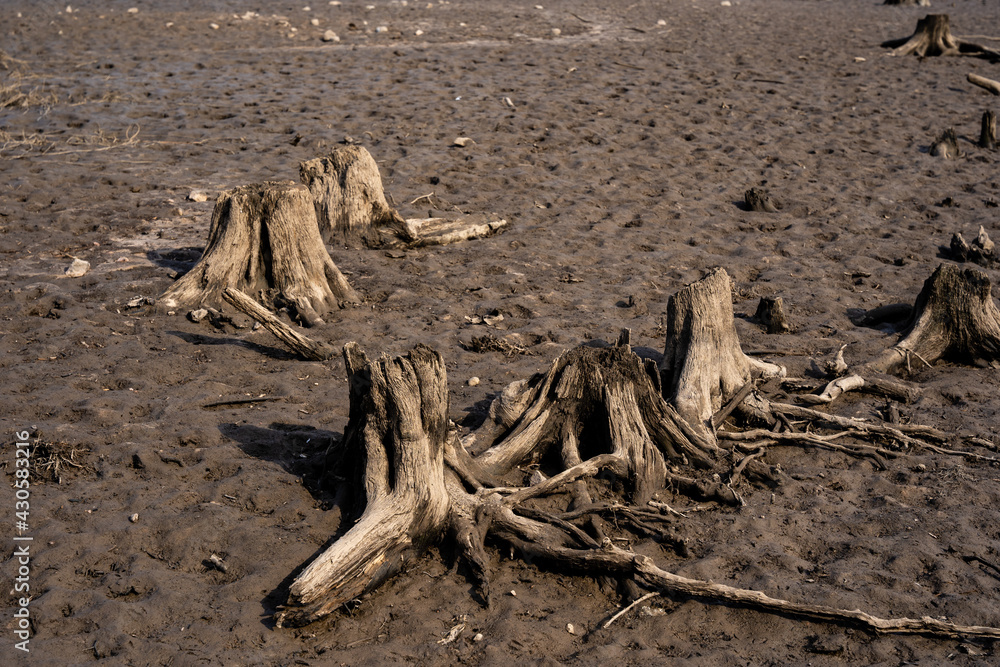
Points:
(954, 318)
(703, 365)
(933, 37)
(397, 426)
(350, 203)
(264, 241)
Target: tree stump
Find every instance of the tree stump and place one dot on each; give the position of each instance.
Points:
(771, 314)
(264, 241)
(933, 37)
(954, 318)
(703, 365)
(946, 146)
(982, 250)
(397, 428)
(350, 204)
(988, 131)
(757, 199)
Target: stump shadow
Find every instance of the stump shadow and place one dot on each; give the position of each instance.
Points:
(302, 451)
(266, 350)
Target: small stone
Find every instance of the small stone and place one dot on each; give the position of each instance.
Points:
(556, 32)
(78, 268)
(478, 637)
(314, 22)
(418, 33)
(661, 22)
(69, 10)
(217, 563)
(473, 381)
(177, 212)
(213, 26)
(462, 142)
(726, 3)
(198, 196)
(134, 517)
(198, 315)
(133, 10)
(330, 36)
(570, 629)
(859, 59)
(513, 593)
(382, 28)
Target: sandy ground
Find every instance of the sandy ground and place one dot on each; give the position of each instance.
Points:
(633, 132)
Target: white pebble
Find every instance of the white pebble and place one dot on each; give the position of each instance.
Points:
(134, 517)
(661, 22)
(726, 3)
(133, 10)
(382, 28)
(198, 195)
(462, 142)
(556, 32)
(78, 268)
(213, 26)
(330, 36)
(478, 637)
(473, 381)
(513, 593)
(69, 10)
(314, 22)
(418, 33)
(570, 629)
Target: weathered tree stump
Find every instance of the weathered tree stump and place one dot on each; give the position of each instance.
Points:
(988, 131)
(397, 428)
(703, 364)
(933, 37)
(954, 318)
(350, 203)
(264, 241)
(771, 314)
(421, 484)
(352, 209)
(757, 199)
(946, 146)
(982, 250)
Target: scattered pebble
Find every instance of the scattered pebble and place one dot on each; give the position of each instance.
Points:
(726, 3)
(859, 59)
(69, 10)
(217, 563)
(198, 195)
(513, 593)
(133, 10)
(330, 36)
(213, 26)
(570, 629)
(473, 381)
(463, 142)
(139, 302)
(508, 102)
(382, 28)
(418, 33)
(478, 637)
(661, 22)
(78, 268)
(134, 517)
(314, 22)
(198, 315)
(556, 32)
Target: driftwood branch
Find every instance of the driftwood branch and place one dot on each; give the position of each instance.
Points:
(302, 345)
(983, 82)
